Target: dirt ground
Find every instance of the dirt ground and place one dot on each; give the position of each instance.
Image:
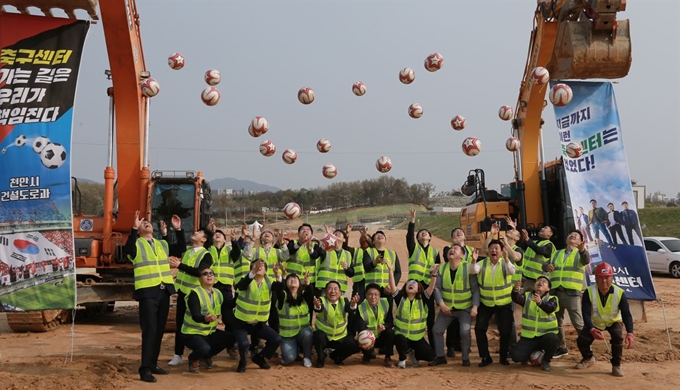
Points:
(104, 354)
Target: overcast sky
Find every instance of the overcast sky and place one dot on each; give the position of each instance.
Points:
(266, 51)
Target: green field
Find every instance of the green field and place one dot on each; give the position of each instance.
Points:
(660, 221)
(439, 225)
(55, 294)
(354, 215)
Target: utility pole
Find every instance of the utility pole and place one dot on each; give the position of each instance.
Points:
(244, 214)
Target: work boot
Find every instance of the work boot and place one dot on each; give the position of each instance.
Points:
(193, 366)
(485, 361)
(585, 363)
(451, 353)
(159, 371)
(147, 377)
(260, 361)
(559, 352)
(388, 362)
(545, 366)
(414, 361)
(207, 363)
(241, 367)
(617, 371)
(437, 361)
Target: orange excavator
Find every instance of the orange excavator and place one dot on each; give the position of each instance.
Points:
(572, 39)
(132, 186)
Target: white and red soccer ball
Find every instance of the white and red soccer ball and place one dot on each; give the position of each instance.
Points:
(306, 95)
(458, 122)
(366, 339)
(292, 210)
(407, 75)
(150, 87)
(574, 150)
(536, 358)
(512, 144)
(267, 148)
(359, 88)
(415, 111)
(210, 96)
(176, 61)
(560, 95)
(383, 164)
(329, 242)
(323, 145)
(434, 62)
(472, 146)
(289, 156)
(258, 126)
(329, 171)
(505, 113)
(539, 75)
(212, 77)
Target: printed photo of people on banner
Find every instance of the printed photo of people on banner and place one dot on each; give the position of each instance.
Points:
(39, 62)
(600, 187)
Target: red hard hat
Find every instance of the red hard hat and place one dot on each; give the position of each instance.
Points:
(604, 269)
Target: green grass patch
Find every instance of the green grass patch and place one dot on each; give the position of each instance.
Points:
(439, 225)
(660, 221)
(355, 215)
(55, 294)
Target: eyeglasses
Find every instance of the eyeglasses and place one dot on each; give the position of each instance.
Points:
(210, 273)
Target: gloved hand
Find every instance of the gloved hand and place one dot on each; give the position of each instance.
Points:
(630, 340)
(597, 334)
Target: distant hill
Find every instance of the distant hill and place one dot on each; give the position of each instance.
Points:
(88, 181)
(236, 184)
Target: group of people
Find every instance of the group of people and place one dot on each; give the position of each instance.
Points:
(291, 294)
(611, 223)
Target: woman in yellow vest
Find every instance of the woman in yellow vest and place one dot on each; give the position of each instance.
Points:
(604, 307)
(203, 320)
(539, 324)
(333, 313)
(294, 317)
(376, 263)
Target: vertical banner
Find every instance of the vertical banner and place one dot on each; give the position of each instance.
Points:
(39, 62)
(599, 186)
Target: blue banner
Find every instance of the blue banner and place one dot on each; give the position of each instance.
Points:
(599, 186)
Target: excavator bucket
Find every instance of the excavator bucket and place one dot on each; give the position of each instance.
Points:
(583, 51)
(46, 6)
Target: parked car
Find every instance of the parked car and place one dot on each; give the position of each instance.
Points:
(663, 254)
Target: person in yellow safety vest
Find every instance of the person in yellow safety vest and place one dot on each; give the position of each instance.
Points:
(242, 265)
(294, 317)
(421, 258)
(358, 254)
(457, 294)
(379, 262)
(203, 327)
(410, 322)
(195, 257)
(333, 313)
(567, 274)
(539, 324)
(304, 253)
(153, 286)
(536, 255)
(335, 266)
(604, 307)
(224, 258)
(271, 249)
(251, 313)
(494, 275)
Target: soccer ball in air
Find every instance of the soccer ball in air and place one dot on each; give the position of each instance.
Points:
(458, 122)
(434, 62)
(53, 155)
(472, 146)
(292, 210)
(39, 143)
(366, 339)
(323, 145)
(512, 144)
(359, 88)
(329, 242)
(536, 358)
(407, 75)
(560, 95)
(329, 171)
(574, 150)
(267, 148)
(505, 113)
(212, 77)
(415, 111)
(289, 156)
(306, 95)
(20, 140)
(539, 75)
(383, 164)
(150, 87)
(210, 96)
(258, 126)
(176, 61)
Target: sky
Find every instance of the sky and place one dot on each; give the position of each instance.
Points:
(267, 50)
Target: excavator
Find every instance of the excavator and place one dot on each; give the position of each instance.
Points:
(99, 240)
(572, 39)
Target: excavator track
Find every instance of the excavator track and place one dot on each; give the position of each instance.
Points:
(37, 321)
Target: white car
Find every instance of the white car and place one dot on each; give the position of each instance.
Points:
(663, 254)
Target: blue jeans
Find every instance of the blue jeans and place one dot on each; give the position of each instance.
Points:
(289, 346)
(599, 227)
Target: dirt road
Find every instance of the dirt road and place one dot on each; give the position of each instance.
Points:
(105, 355)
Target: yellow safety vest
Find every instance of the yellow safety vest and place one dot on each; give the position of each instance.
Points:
(411, 319)
(358, 265)
(187, 282)
(292, 319)
(222, 265)
(494, 290)
(372, 321)
(253, 304)
(468, 255)
(517, 276)
(569, 272)
(241, 269)
(332, 321)
(200, 328)
(536, 322)
(301, 262)
(605, 316)
(533, 262)
(420, 262)
(271, 257)
(456, 293)
(151, 266)
(380, 275)
(330, 269)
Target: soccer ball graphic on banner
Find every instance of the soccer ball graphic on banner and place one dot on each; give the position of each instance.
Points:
(292, 210)
(267, 148)
(574, 150)
(39, 143)
(472, 146)
(20, 140)
(366, 339)
(53, 155)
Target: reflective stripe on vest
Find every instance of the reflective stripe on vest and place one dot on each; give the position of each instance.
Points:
(332, 321)
(533, 262)
(494, 289)
(517, 276)
(222, 265)
(536, 322)
(358, 265)
(187, 282)
(241, 269)
(253, 304)
(301, 262)
(380, 275)
(292, 319)
(568, 272)
(411, 319)
(369, 317)
(604, 317)
(330, 270)
(151, 266)
(456, 293)
(192, 327)
(420, 262)
(270, 257)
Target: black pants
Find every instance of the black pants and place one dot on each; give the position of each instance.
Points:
(226, 290)
(585, 340)
(617, 230)
(179, 320)
(257, 331)
(423, 350)
(629, 232)
(504, 323)
(153, 314)
(430, 316)
(548, 343)
(343, 348)
(205, 347)
(384, 341)
(359, 288)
